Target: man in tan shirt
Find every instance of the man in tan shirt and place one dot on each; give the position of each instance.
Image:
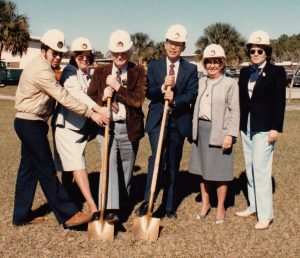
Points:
(36, 98)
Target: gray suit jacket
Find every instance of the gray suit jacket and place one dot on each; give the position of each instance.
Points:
(225, 110)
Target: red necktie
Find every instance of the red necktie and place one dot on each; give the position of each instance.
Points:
(115, 105)
(118, 73)
(172, 71)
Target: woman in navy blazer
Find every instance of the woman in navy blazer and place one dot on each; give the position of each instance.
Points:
(262, 106)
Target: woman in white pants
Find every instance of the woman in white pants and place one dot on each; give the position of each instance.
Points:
(262, 105)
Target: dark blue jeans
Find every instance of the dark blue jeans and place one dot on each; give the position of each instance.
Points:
(37, 165)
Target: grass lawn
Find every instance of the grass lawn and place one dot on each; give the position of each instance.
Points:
(8, 90)
(184, 237)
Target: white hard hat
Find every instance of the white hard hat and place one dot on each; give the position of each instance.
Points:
(259, 37)
(81, 44)
(119, 41)
(54, 39)
(177, 33)
(213, 50)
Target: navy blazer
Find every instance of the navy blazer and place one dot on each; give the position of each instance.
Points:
(267, 104)
(185, 92)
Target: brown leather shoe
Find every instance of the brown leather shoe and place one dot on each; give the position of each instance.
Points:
(36, 220)
(142, 210)
(112, 217)
(78, 219)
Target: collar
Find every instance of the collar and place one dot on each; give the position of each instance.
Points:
(81, 72)
(262, 65)
(176, 63)
(45, 60)
(115, 69)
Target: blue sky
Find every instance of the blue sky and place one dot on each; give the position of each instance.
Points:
(97, 19)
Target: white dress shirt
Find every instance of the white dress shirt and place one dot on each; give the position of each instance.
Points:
(121, 114)
(206, 99)
(252, 84)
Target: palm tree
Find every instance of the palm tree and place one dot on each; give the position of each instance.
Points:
(159, 50)
(143, 47)
(228, 37)
(286, 48)
(14, 29)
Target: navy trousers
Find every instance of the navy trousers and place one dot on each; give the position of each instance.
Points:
(170, 159)
(37, 165)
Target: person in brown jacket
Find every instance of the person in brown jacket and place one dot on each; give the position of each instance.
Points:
(125, 82)
(36, 98)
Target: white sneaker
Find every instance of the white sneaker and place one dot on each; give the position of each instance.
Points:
(245, 213)
(263, 224)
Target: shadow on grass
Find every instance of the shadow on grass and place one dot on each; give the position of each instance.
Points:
(187, 184)
(237, 186)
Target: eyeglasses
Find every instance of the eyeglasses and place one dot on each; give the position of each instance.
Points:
(55, 53)
(174, 44)
(258, 51)
(116, 54)
(81, 57)
(213, 61)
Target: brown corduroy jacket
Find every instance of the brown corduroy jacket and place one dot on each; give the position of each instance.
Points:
(132, 96)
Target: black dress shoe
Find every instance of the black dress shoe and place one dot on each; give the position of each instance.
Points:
(112, 217)
(142, 210)
(95, 215)
(171, 214)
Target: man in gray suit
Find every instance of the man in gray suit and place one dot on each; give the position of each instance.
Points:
(126, 84)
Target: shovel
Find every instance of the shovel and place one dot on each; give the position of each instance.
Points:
(146, 227)
(100, 229)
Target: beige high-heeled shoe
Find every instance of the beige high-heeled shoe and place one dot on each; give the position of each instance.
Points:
(220, 221)
(263, 224)
(201, 216)
(245, 213)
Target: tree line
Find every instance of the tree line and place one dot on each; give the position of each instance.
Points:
(14, 37)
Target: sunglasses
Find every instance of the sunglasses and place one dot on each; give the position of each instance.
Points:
(258, 51)
(55, 53)
(213, 61)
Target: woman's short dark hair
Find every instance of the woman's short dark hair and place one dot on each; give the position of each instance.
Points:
(266, 48)
(74, 54)
(44, 47)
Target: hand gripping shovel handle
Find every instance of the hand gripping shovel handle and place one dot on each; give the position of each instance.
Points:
(157, 157)
(104, 167)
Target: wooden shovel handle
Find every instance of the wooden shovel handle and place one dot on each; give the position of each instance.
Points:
(104, 166)
(157, 157)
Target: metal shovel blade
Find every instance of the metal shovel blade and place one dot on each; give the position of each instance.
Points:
(100, 232)
(146, 229)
